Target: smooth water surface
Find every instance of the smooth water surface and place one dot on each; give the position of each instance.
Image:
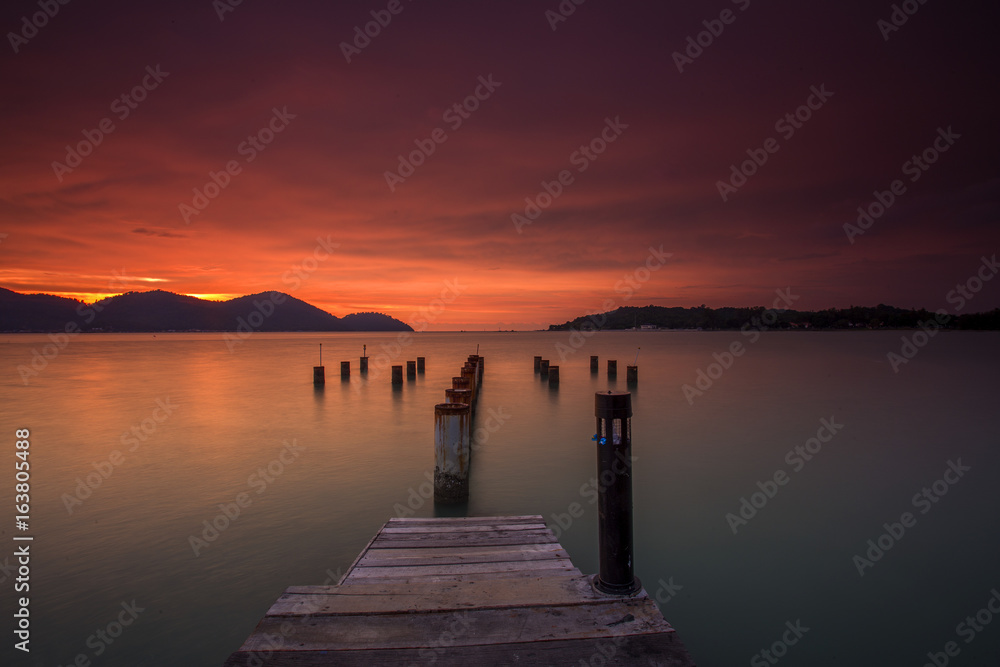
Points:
(323, 469)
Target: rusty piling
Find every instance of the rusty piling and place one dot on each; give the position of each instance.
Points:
(593, 363)
(632, 374)
(538, 364)
(458, 396)
(345, 370)
(470, 375)
(411, 370)
(397, 375)
(319, 376)
(544, 368)
(612, 368)
(420, 364)
(451, 452)
(553, 375)
(363, 365)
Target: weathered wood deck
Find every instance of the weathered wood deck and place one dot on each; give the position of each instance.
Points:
(461, 591)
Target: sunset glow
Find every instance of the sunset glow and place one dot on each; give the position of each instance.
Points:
(240, 163)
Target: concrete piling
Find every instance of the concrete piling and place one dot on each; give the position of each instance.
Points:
(538, 364)
(544, 368)
(345, 369)
(593, 363)
(411, 370)
(397, 375)
(319, 376)
(363, 365)
(612, 368)
(451, 452)
(614, 495)
(632, 374)
(420, 364)
(460, 383)
(553, 375)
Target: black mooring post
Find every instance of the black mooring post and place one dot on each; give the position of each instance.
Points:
(614, 493)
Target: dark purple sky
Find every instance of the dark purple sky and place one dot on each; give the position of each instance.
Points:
(129, 208)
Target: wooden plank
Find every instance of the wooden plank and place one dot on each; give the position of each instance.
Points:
(448, 552)
(447, 578)
(467, 628)
(647, 650)
(375, 572)
(479, 528)
(363, 598)
(533, 518)
(509, 556)
(452, 540)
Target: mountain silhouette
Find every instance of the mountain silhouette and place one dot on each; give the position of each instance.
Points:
(159, 310)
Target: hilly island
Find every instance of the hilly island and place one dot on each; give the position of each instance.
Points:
(158, 311)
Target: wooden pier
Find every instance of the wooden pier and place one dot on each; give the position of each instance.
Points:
(461, 591)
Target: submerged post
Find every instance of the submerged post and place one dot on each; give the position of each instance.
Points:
(538, 363)
(451, 452)
(593, 363)
(411, 370)
(544, 368)
(363, 365)
(632, 374)
(553, 375)
(420, 364)
(614, 493)
(345, 369)
(612, 368)
(397, 375)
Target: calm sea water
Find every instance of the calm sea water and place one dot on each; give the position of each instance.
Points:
(210, 424)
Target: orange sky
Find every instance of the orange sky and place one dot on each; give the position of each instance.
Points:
(113, 223)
